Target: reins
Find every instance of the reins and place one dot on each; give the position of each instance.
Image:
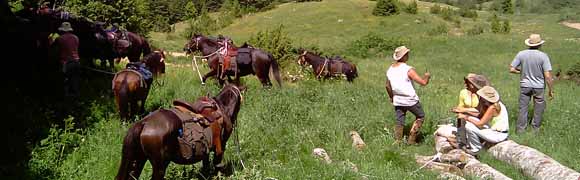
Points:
(194, 60)
(323, 66)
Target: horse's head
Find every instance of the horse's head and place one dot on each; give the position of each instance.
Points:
(193, 44)
(230, 99)
(302, 58)
(155, 61)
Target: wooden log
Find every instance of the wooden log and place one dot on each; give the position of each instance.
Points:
(482, 170)
(533, 162)
(357, 141)
(437, 166)
(455, 156)
(442, 145)
(449, 176)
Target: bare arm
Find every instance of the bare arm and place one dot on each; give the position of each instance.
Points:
(415, 77)
(389, 89)
(486, 117)
(550, 82)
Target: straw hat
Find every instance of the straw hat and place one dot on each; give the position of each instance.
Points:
(477, 80)
(534, 40)
(400, 52)
(489, 94)
(65, 26)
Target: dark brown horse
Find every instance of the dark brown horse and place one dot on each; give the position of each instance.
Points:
(155, 137)
(328, 67)
(129, 44)
(131, 88)
(259, 62)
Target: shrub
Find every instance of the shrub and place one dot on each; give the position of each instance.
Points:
(373, 44)
(436, 9)
(447, 13)
(386, 8)
(468, 13)
(410, 8)
(476, 30)
(505, 26)
(277, 42)
(499, 26)
(507, 7)
(438, 30)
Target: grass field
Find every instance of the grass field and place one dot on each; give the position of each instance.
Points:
(278, 128)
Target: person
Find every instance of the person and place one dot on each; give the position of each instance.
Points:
(491, 124)
(67, 44)
(535, 69)
(468, 102)
(399, 85)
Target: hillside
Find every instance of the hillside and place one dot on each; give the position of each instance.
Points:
(278, 128)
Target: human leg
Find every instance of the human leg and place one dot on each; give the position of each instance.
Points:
(473, 141)
(400, 113)
(417, 110)
(539, 106)
(522, 123)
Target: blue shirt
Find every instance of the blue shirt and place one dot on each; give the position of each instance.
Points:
(532, 64)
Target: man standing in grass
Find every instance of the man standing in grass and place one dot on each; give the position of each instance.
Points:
(534, 67)
(399, 85)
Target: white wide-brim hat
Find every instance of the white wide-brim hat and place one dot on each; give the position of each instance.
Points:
(534, 40)
(400, 52)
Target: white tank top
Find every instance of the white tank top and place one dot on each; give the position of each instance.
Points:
(500, 122)
(403, 90)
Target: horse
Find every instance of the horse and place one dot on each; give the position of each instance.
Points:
(131, 89)
(156, 137)
(328, 67)
(259, 62)
(128, 44)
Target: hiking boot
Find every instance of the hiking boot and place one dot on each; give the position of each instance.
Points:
(414, 132)
(398, 134)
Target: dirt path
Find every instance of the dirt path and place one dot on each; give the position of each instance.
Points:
(571, 25)
(176, 54)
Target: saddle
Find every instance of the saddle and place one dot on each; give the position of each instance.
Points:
(195, 136)
(143, 83)
(119, 38)
(146, 75)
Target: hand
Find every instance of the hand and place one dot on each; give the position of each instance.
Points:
(427, 75)
(455, 110)
(551, 94)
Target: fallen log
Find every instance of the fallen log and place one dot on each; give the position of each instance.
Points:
(533, 162)
(475, 168)
(437, 166)
(442, 145)
(449, 176)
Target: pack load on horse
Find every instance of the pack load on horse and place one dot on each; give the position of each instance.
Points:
(126, 44)
(131, 85)
(242, 61)
(328, 67)
(184, 134)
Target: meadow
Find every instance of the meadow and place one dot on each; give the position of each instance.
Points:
(279, 127)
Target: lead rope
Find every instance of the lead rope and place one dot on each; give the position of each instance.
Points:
(237, 139)
(323, 66)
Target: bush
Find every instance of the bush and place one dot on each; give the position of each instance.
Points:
(476, 30)
(277, 42)
(498, 26)
(438, 30)
(447, 13)
(386, 8)
(410, 8)
(507, 7)
(467, 13)
(436, 9)
(373, 44)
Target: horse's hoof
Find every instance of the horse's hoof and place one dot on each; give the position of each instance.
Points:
(202, 83)
(220, 165)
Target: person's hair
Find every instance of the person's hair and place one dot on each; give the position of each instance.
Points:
(404, 58)
(535, 47)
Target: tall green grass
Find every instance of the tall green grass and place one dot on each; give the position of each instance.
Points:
(278, 128)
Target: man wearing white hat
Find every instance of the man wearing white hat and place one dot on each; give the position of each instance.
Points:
(534, 68)
(399, 85)
(68, 44)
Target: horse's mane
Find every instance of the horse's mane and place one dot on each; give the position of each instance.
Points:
(230, 99)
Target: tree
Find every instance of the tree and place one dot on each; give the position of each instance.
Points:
(386, 8)
(507, 7)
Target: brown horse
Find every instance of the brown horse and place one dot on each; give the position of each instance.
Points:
(155, 137)
(259, 62)
(131, 88)
(129, 44)
(328, 67)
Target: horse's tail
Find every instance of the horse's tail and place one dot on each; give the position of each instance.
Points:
(354, 70)
(276, 70)
(131, 152)
(121, 95)
(352, 73)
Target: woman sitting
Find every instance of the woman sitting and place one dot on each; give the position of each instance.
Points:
(490, 125)
(468, 101)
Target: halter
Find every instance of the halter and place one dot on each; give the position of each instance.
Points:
(301, 58)
(238, 92)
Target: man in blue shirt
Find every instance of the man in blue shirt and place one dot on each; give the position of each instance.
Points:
(535, 69)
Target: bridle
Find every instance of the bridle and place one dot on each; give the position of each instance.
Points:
(302, 59)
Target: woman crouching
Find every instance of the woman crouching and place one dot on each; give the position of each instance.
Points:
(491, 124)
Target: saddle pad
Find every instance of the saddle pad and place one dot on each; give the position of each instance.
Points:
(336, 68)
(244, 57)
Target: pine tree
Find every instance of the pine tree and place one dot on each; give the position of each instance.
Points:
(507, 6)
(386, 8)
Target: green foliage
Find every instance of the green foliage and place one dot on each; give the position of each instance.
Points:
(46, 159)
(386, 8)
(477, 29)
(373, 44)
(447, 14)
(499, 26)
(467, 13)
(438, 30)
(506, 6)
(435, 9)
(277, 42)
(410, 8)
(574, 71)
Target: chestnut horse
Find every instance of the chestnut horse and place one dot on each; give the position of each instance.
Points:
(131, 89)
(325, 67)
(155, 138)
(260, 62)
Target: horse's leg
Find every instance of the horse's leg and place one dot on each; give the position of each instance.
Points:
(217, 142)
(159, 168)
(143, 99)
(134, 106)
(211, 73)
